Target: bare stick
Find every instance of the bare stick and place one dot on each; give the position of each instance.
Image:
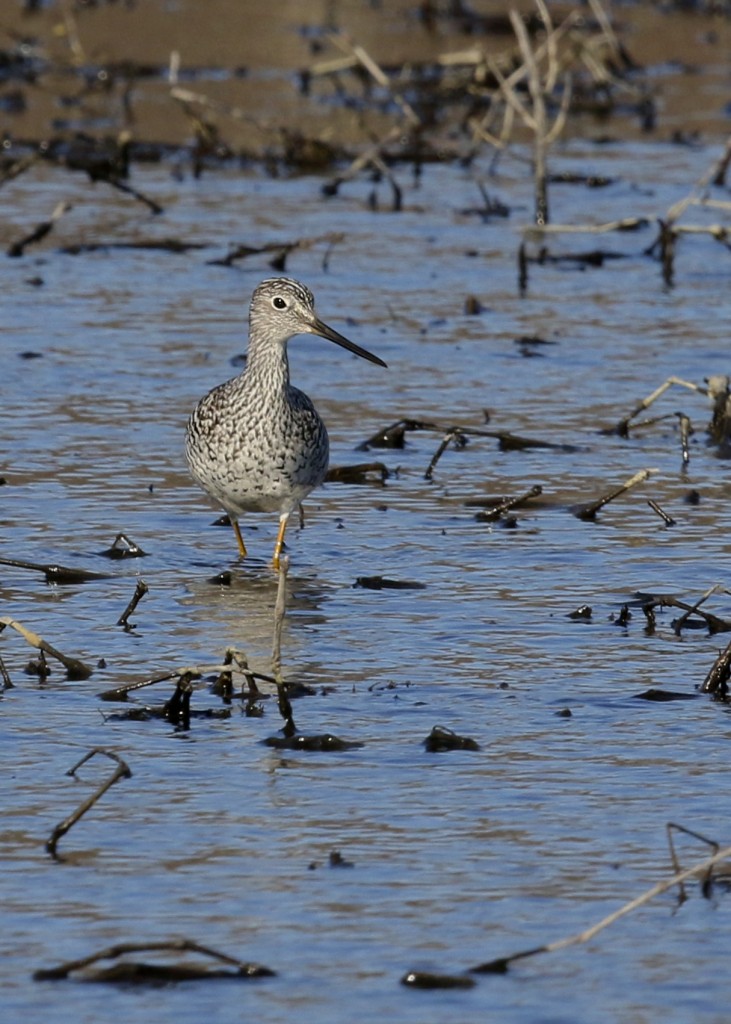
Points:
(501, 964)
(377, 73)
(717, 680)
(122, 948)
(700, 188)
(685, 431)
(625, 224)
(363, 160)
(140, 590)
(237, 663)
(75, 668)
(668, 520)
(622, 427)
(19, 167)
(120, 772)
(186, 96)
(672, 827)
(39, 232)
(538, 120)
(451, 435)
(489, 515)
(7, 681)
(678, 625)
(590, 509)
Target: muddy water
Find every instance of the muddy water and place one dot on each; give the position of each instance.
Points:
(457, 857)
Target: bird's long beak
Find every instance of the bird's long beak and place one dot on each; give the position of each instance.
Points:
(318, 327)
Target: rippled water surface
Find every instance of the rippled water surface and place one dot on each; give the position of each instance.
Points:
(457, 857)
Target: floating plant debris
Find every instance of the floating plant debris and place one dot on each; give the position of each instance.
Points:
(123, 547)
(717, 680)
(431, 980)
(136, 973)
(322, 743)
(362, 473)
(384, 583)
(75, 668)
(441, 739)
(663, 696)
(61, 574)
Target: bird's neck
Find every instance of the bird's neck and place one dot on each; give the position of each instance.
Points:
(268, 366)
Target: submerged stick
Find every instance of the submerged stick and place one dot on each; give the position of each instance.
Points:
(451, 436)
(622, 428)
(679, 623)
(122, 771)
(670, 828)
(5, 675)
(122, 948)
(488, 515)
(500, 964)
(75, 668)
(717, 680)
(590, 509)
(668, 520)
(140, 590)
(38, 233)
(56, 573)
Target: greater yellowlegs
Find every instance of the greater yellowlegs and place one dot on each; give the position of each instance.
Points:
(255, 443)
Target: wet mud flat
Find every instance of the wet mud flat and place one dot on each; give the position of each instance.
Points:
(427, 770)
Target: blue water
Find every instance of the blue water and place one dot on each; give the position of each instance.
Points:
(458, 857)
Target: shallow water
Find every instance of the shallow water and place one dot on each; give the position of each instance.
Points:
(458, 857)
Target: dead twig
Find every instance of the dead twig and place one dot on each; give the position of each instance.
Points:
(672, 827)
(38, 233)
(588, 510)
(679, 623)
(140, 590)
(75, 668)
(622, 428)
(717, 680)
(137, 972)
(56, 573)
(122, 771)
(501, 964)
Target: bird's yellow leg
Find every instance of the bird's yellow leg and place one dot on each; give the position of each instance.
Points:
(280, 539)
(239, 538)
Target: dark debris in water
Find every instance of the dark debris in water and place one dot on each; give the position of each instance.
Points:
(142, 973)
(322, 743)
(663, 696)
(361, 473)
(581, 614)
(60, 574)
(123, 547)
(442, 739)
(431, 980)
(496, 508)
(384, 583)
(394, 436)
(719, 675)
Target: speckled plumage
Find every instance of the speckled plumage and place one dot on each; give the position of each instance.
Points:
(256, 443)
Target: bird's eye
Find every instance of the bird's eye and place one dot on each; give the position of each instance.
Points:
(278, 302)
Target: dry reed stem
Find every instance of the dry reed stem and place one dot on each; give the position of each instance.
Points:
(75, 668)
(122, 771)
(500, 964)
(343, 42)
